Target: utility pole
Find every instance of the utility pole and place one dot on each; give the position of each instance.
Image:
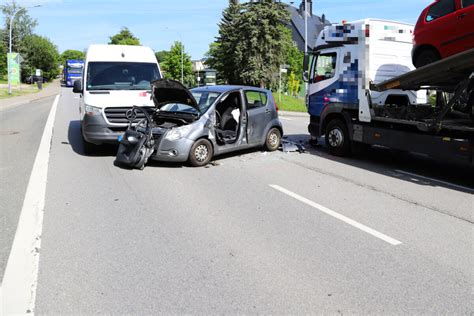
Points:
(10, 46)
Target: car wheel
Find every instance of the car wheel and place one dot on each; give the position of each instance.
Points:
(88, 148)
(337, 138)
(427, 56)
(273, 140)
(201, 153)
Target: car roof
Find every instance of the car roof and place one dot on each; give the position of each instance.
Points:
(226, 88)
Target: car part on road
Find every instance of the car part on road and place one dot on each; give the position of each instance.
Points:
(291, 146)
(137, 144)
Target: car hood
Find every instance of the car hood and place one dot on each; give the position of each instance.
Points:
(166, 91)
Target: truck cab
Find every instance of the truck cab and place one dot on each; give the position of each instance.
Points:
(348, 57)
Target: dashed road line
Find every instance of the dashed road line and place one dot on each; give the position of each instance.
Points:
(338, 216)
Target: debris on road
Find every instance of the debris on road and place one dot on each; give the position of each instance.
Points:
(291, 146)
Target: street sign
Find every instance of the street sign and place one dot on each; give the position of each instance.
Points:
(13, 68)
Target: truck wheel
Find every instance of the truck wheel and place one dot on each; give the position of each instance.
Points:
(426, 57)
(273, 139)
(337, 138)
(201, 153)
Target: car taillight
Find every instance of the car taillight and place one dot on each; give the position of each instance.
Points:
(274, 102)
(367, 30)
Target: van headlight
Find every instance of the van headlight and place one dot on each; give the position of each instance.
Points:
(178, 133)
(92, 110)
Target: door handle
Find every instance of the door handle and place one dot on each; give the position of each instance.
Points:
(462, 15)
(267, 111)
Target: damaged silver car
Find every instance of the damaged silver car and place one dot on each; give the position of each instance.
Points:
(198, 124)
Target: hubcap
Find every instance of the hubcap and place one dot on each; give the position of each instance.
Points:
(273, 139)
(201, 152)
(336, 138)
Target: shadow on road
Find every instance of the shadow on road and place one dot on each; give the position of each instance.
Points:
(75, 140)
(399, 165)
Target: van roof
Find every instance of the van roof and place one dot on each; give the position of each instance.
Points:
(125, 53)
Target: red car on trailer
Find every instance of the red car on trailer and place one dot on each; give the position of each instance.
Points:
(444, 28)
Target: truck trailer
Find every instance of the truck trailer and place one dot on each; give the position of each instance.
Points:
(364, 90)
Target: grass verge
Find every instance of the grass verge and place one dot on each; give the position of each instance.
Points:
(291, 104)
(17, 92)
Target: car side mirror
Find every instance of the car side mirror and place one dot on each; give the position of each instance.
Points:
(77, 87)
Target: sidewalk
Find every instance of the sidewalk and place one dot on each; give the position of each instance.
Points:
(53, 88)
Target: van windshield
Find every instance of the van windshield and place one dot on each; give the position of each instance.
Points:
(121, 75)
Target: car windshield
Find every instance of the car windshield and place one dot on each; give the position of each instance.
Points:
(179, 108)
(205, 99)
(121, 75)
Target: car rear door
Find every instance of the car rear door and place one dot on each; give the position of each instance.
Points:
(442, 26)
(465, 18)
(257, 114)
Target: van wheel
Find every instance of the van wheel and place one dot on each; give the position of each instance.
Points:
(273, 140)
(201, 153)
(426, 57)
(89, 148)
(337, 138)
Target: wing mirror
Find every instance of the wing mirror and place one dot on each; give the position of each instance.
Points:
(77, 88)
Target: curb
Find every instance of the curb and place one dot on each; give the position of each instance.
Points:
(294, 114)
(31, 98)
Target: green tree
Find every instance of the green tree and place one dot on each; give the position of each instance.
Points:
(3, 57)
(71, 54)
(124, 37)
(42, 54)
(161, 55)
(222, 54)
(172, 64)
(259, 51)
(23, 26)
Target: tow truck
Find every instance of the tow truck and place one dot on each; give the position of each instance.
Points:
(364, 91)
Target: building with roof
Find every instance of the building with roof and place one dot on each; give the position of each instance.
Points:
(297, 26)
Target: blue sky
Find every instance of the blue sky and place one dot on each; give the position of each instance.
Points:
(75, 24)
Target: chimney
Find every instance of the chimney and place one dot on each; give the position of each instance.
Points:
(309, 7)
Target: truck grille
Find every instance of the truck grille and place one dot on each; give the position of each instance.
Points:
(118, 115)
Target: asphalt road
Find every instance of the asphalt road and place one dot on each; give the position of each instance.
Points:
(254, 233)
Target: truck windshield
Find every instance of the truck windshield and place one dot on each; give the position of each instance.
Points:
(325, 67)
(74, 70)
(121, 75)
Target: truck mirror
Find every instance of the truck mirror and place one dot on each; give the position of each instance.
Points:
(306, 62)
(77, 88)
(305, 76)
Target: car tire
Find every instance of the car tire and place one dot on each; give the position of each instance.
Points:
(427, 56)
(89, 148)
(337, 138)
(201, 153)
(273, 139)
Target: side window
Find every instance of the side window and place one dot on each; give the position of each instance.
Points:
(440, 9)
(324, 67)
(467, 3)
(255, 99)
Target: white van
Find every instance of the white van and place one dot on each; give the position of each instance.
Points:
(116, 77)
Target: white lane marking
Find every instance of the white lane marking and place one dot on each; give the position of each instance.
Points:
(285, 118)
(338, 216)
(436, 180)
(21, 274)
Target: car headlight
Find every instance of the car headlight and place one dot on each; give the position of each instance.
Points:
(178, 133)
(92, 110)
